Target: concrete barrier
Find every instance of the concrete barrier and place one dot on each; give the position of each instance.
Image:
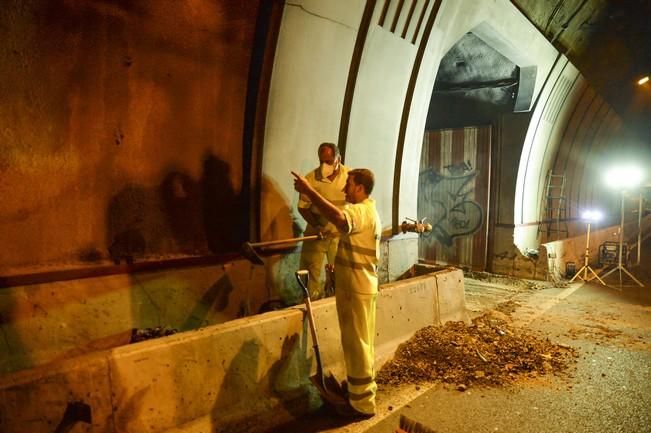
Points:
(245, 375)
(43, 323)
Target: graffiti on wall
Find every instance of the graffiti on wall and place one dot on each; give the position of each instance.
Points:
(445, 199)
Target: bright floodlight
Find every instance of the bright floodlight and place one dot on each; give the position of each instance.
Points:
(624, 177)
(643, 80)
(592, 215)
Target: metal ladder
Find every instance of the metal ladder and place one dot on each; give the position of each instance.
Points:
(553, 222)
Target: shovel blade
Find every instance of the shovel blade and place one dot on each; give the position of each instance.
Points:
(329, 389)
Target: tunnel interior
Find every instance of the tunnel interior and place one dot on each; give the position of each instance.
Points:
(144, 143)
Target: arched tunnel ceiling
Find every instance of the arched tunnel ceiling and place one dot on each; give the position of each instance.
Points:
(609, 42)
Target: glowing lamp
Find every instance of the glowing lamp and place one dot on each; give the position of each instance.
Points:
(591, 215)
(624, 177)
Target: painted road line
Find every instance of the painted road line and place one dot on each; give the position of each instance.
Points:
(541, 308)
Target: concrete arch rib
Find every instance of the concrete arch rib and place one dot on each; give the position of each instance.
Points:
(540, 147)
(566, 127)
(498, 26)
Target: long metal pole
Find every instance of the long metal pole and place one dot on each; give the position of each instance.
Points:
(621, 241)
(639, 228)
(587, 255)
(586, 264)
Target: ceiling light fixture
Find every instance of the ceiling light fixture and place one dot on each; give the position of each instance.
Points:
(643, 80)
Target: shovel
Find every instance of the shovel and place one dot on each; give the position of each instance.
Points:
(328, 386)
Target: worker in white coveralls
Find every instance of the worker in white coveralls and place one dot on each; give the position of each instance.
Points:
(356, 283)
(328, 180)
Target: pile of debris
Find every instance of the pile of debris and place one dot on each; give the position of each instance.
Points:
(142, 334)
(488, 352)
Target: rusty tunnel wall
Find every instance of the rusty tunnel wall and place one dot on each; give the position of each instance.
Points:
(121, 126)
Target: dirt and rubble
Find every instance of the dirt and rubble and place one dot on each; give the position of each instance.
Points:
(489, 351)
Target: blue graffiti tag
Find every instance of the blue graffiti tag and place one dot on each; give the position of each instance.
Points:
(445, 201)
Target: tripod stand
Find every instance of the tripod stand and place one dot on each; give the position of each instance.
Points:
(619, 266)
(586, 267)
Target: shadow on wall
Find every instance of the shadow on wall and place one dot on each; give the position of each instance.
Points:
(181, 216)
(181, 197)
(15, 353)
(287, 379)
(224, 217)
(127, 222)
(216, 298)
(279, 222)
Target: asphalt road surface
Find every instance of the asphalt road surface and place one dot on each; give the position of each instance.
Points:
(609, 390)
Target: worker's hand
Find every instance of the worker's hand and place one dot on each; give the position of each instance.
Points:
(313, 230)
(301, 184)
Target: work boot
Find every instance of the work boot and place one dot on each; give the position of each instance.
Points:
(347, 411)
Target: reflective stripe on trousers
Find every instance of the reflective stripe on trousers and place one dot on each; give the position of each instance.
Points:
(356, 314)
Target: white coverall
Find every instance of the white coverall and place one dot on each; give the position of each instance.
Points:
(356, 284)
(314, 253)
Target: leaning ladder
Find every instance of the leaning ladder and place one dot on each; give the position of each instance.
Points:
(553, 222)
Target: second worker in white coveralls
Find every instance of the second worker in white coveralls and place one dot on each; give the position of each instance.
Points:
(356, 283)
(328, 179)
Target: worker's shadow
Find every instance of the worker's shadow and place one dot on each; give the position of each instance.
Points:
(224, 217)
(279, 222)
(311, 415)
(182, 206)
(14, 353)
(242, 403)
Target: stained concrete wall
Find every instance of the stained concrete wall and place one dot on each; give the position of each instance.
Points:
(121, 128)
(248, 374)
(44, 323)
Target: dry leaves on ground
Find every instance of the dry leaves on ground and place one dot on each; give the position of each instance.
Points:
(488, 352)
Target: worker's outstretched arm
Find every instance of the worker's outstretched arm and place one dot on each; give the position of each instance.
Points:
(328, 210)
